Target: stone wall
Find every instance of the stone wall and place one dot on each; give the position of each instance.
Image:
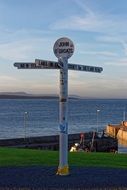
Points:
(104, 144)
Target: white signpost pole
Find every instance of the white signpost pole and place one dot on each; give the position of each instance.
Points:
(63, 49)
(63, 119)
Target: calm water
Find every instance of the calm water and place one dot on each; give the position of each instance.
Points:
(42, 118)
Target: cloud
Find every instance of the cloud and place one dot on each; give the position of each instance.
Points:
(6, 78)
(15, 50)
(102, 89)
(110, 38)
(24, 44)
(120, 41)
(100, 53)
(77, 23)
(118, 62)
(9, 83)
(91, 20)
(93, 23)
(83, 6)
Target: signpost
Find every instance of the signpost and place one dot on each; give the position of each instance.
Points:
(63, 49)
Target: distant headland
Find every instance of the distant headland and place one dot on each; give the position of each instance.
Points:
(24, 95)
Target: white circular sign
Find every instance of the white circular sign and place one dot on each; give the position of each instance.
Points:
(64, 48)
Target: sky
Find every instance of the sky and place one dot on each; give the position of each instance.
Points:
(98, 29)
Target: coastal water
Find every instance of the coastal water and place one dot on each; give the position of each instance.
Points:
(39, 117)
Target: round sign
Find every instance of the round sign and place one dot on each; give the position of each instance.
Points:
(64, 48)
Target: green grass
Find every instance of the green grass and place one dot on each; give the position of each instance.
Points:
(99, 159)
(23, 157)
(27, 157)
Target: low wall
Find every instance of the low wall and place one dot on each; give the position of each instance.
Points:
(104, 144)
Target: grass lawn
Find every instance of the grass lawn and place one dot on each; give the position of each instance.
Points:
(27, 157)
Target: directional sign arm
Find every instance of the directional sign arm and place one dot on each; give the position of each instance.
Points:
(86, 68)
(38, 64)
(26, 65)
(47, 64)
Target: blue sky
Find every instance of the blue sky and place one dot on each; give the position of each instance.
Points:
(98, 29)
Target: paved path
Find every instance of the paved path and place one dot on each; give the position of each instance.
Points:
(45, 178)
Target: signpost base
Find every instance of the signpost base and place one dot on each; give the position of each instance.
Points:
(63, 170)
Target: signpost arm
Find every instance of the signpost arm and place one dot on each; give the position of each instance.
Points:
(63, 168)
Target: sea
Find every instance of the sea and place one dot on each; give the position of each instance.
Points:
(40, 117)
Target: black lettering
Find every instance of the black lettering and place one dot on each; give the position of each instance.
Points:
(62, 44)
(71, 66)
(97, 70)
(56, 64)
(42, 63)
(79, 68)
(91, 68)
(86, 68)
(66, 50)
(33, 65)
(27, 65)
(67, 43)
(51, 64)
(70, 50)
(22, 65)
